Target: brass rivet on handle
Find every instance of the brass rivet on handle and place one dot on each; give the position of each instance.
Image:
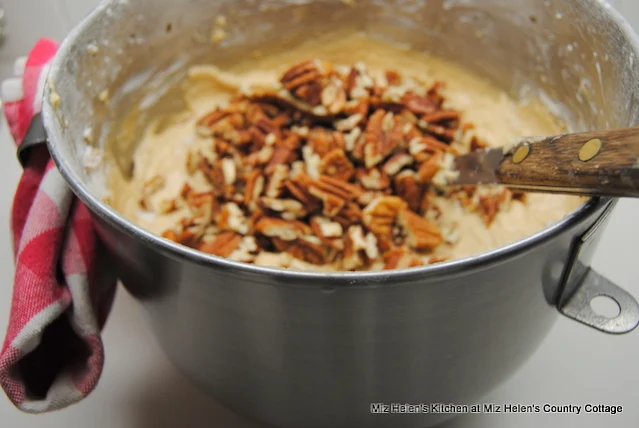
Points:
(521, 153)
(590, 149)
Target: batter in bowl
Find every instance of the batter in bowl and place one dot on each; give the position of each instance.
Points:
(329, 157)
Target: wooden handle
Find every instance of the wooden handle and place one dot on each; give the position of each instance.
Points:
(603, 163)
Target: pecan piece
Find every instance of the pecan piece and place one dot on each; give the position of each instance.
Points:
(245, 252)
(333, 97)
(205, 124)
(421, 235)
(254, 187)
(232, 218)
(359, 249)
(428, 169)
(427, 144)
(203, 205)
(304, 73)
(409, 189)
(290, 209)
(349, 215)
(383, 136)
(298, 188)
(261, 157)
(215, 174)
(323, 141)
(399, 258)
(307, 250)
(417, 104)
(277, 181)
(284, 153)
(381, 214)
(443, 134)
(477, 144)
(286, 230)
(337, 165)
(441, 116)
(329, 232)
(333, 193)
(373, 179)
(396, 163)
(490, 205)
(223, 246)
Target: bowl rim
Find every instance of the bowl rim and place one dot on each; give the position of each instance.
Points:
(369, 278)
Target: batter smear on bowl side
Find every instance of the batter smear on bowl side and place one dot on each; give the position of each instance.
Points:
(334, 157)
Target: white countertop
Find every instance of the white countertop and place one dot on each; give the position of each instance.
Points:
(140, 389)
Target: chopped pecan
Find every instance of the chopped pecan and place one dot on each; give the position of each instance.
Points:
(421, 235)
(477, 144)
(254, 187)
(153, 186)
(171, 235)
(333, 193)
(168, 206)
(215, 174)
(311, 93)
(290, 208)
(337, 165)
(383, 136)
(428, 169)
(350, 123)
(307, 250)
(441, 116)
(232, 218)
(359, 249)
(298, 188)
(409, 189)
(311, 161)
(418, 105)
(393, 78)
(284, 153)
(261, 157)
(204, 205)
(490, 205)
(437, 259)
(229, 171)
(333, 97)
(245, 252)
(396, 163)
(427, 144)
(193, 160)
(400, 258)
(205, 124)
(381, 214)
(286, 230)
(325, 228)
(277, 181)
(373, 179)
(349, 215)
(304, 73)
(223, 246)
(442, 133)
(323, 141)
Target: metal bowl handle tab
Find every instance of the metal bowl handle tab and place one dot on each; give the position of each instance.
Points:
(582, 284)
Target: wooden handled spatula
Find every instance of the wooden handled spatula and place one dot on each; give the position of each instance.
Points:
(601, 163)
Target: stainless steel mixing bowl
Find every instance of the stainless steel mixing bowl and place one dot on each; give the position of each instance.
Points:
(315, 350)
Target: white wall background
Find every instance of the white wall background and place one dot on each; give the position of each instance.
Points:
(28, 20)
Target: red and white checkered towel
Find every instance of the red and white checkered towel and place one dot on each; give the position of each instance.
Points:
(52, 355)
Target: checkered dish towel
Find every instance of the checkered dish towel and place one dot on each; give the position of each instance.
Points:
(52, 354)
